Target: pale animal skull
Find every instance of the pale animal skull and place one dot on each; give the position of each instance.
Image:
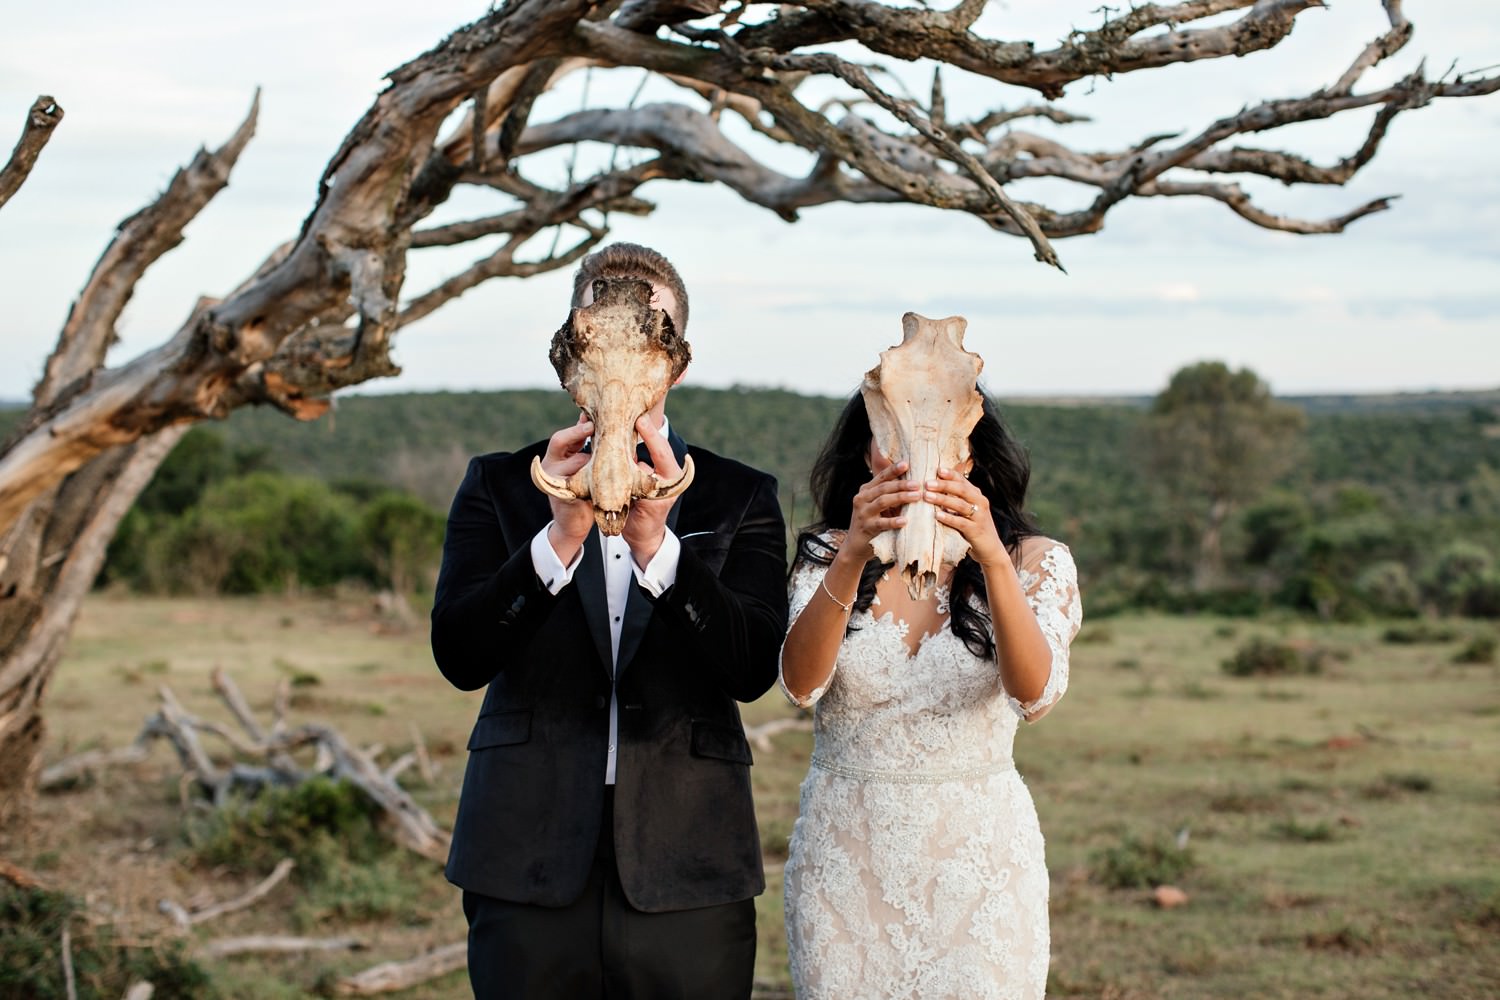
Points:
(923, 403)
(617, 357)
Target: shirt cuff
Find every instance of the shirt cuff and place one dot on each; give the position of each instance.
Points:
(661, 572)
(549, 568)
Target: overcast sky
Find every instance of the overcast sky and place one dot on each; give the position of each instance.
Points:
(1407, 299)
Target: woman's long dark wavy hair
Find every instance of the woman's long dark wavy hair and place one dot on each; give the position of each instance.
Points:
(1001, 470)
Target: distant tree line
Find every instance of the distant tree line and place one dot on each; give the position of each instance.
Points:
(1213, 495)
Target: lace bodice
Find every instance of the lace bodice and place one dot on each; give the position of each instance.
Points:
(1050, 581)
(916, 867)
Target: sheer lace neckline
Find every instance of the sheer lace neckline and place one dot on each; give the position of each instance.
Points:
(937, 627)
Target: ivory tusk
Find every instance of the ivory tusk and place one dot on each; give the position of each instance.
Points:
(553, 486)
(665, 491)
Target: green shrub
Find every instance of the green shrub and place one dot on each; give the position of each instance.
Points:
(1479, 649)
(403, 538)
(315, 823)
(349, 891)
(1141, 864)
(1417, 633)
(1311, 591)
(31, 926)
(1392, 785)
(1388, 589)
(257, 533)
(1462, 579)
(1480, 596)
(1311, 832)
(1231, 602)
(1273, 527)
(1262, 657)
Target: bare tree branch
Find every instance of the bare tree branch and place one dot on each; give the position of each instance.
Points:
(185, 918)
(345, 252)
(393, 977)
(692, 138)
(945, 36)
(903, 110)
(275, 944)
(139, 242)
(1240, 203)
(1379, 50)
(44, 116)
(501, 262)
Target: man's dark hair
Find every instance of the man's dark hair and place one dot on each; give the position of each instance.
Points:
(631, 260)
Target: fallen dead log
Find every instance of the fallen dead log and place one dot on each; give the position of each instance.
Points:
(261, 944)
(70, 984)
(389, 977)
(79, 766)
(19, 877)
(185, 919)
(271, 762)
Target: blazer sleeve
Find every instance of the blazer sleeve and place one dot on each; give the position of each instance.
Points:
(734, 621)
(489, 602)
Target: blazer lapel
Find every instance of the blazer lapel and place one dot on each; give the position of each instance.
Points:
(588, 579)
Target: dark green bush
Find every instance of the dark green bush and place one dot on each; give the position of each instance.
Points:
(1273, 527)
(315, 823)
(1261, 657)
(1418, 632)
(1141, 864)
(349, 891)
(31, 926)
(1308, 832)
(1387, 588)
(403, 538)
(1391, 785)
(1479, 649)
(258, 533)
(1462, 579)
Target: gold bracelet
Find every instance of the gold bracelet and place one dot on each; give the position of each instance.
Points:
(848, 608)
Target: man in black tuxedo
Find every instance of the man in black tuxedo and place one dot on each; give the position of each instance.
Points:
(606, 839)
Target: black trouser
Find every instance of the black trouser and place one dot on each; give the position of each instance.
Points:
(602, 947)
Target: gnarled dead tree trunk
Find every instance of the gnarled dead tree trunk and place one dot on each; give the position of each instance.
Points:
(320, 313)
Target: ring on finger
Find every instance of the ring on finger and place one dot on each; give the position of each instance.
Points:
(973, 510)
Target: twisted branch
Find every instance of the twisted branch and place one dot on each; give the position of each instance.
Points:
(45, 115)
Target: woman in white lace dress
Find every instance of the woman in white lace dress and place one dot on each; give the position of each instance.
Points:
(916, 867)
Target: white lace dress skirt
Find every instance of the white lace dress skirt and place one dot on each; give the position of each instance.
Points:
(917, 890)
(916, 867)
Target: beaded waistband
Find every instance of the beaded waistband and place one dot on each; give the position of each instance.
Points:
(911, 777)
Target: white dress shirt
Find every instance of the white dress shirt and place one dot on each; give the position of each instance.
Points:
(620, 571)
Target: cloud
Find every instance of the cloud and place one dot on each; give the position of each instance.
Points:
(1178, 291)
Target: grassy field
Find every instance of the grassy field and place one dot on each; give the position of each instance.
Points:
(1342, 829)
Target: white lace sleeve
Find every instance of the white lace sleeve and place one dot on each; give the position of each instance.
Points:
(807, 576)
(1050, 580)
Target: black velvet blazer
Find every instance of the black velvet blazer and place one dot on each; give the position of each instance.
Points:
(529, 815)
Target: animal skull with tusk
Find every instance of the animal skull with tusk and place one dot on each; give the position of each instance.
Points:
(617, 357)
(923, 403)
